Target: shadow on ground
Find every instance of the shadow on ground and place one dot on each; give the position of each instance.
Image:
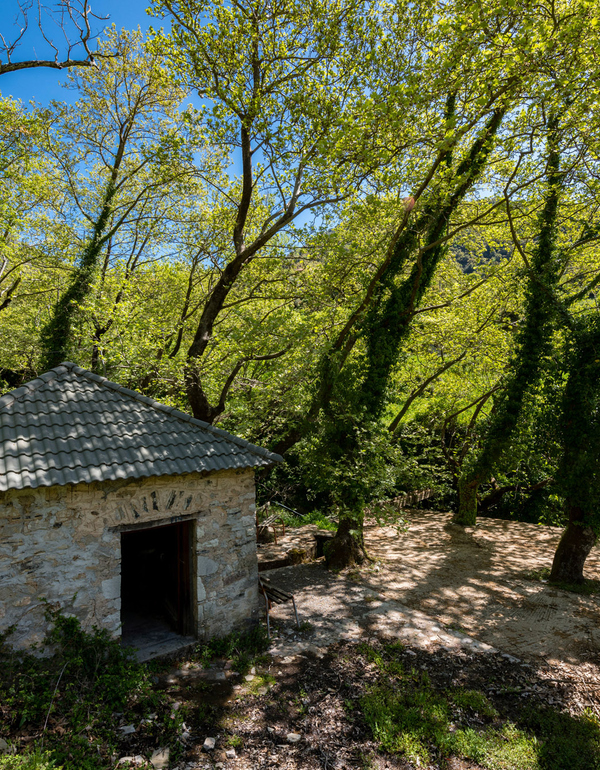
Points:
(310, 715)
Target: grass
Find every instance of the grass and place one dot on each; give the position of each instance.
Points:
(259, 681)
(74, 700)
(87, 686)
(243, 649)
(407, 716)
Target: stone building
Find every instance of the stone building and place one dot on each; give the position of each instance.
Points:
(129, 514)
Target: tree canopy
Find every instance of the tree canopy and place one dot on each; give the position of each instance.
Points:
(361, 233)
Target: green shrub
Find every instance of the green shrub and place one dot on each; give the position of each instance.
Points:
(77, 692)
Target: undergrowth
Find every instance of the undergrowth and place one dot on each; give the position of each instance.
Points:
(294, 520)
(36, 759)
(75, 693)
(409, 717)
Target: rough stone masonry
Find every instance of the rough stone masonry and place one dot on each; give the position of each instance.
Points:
(62, 545)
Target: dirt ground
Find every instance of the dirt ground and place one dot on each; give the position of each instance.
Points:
(472, 579)
(468, 580)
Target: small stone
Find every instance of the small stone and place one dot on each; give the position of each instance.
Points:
(3, 746)
(160, 759)
(248, 677)
(293, 737)
(230, 754)
(270, 730)
(127, 729)
(209, 744)
(262, 690)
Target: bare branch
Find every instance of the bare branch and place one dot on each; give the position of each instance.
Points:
(72, 19)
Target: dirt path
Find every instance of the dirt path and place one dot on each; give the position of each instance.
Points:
(475, 578)
(437, 580)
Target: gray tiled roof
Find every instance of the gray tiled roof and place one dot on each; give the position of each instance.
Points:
(70, 426)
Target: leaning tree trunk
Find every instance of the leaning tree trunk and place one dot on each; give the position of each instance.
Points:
(533, 344)
(575, 545)
(577, 475)
(388, 320)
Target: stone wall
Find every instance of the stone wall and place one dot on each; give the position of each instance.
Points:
(63, 544)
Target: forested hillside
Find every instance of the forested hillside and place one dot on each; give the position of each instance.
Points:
(361, 234)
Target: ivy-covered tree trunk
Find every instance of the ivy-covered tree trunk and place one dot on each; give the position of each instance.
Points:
(533, 344)
(578, 476)
(575, 545)
(347, 548)
(55, 337)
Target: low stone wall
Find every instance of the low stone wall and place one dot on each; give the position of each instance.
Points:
(63, 545)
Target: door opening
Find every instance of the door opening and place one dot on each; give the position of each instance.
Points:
(156, 584)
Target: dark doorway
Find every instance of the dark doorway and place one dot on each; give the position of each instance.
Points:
(156, 584)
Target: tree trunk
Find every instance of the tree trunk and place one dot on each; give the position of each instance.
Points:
(466, 515)
(348, 546)
(575, 545)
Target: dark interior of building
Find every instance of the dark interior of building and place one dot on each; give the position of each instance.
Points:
(155, 583)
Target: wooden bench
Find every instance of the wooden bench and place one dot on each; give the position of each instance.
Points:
(275, 595)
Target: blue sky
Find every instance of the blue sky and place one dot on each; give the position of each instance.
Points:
(42, 84)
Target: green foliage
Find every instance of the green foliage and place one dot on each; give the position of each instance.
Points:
(293, 520)
(475, 702)
(389, 318)
(130, 134)
(36, 759)
(348, 462)
(411, 719)
(533, 343)
(421, 463)
(564, 741)
(73, 693)
(343, 292)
